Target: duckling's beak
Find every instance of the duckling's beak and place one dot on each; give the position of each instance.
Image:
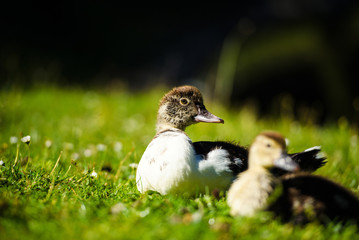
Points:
(286, 163)
(205, 116)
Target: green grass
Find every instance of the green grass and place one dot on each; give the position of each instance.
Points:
(92, 130)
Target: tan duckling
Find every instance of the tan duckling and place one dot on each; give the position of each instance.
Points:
(299, 197)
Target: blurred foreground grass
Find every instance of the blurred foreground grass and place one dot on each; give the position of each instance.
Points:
(98, 136)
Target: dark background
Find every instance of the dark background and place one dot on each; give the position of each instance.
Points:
(298, 57)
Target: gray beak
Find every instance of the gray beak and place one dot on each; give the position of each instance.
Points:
(286, 163)
(205, 116)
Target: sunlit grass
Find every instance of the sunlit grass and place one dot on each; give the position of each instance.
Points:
(76, 176)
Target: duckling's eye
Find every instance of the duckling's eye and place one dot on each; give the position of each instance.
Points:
(269, 145)
(184, 101)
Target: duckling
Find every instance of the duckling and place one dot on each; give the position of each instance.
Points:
(172, 163)
(294, 197)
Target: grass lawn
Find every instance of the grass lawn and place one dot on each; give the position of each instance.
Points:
(76, 178)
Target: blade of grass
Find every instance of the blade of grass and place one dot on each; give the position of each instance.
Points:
(57, 162)
(121, 163)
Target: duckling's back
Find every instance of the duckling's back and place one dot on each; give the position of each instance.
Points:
(308, 198)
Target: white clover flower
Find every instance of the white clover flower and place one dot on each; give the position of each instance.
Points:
(13, 140)
(82, 209)
(133, 165)
(48, 143)
(75, 156)
(196, 217)
(26, 139)
(117, 147)
(93, 174)
(101, 147)
(144, 213)
(118, 208)
(87, 152)
(2, 163)
(68, 146)
(211, 221)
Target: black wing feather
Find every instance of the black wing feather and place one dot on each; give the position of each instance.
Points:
(234, 151)
(309, 160)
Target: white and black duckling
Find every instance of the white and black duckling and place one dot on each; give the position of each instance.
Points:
(294, 197)
(172, 163)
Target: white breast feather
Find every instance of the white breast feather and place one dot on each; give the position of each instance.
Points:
(248, 194)
(166, 163)
(170, 164)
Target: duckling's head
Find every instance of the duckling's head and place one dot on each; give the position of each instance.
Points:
(268, 150)
(181, 107)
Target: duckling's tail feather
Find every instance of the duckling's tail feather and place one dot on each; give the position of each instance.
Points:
(310, 159)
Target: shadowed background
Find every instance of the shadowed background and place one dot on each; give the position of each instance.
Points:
(297, 58)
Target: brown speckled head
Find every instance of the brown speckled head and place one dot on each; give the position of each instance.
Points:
(180, 92)
(181, 107)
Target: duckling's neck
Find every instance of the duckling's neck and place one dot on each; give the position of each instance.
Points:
(166, 122)
(260, 174)
(164, 126)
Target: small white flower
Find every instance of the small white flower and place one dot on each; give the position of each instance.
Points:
(211, 221)
(144, 213)
(196, 217)
(133, 165)
(117, 147)
(88, 152)
(75, 156)
(2, 163)
(101, 147)
(82, 209)
(13, 140)
(68, 146)
(48, 143)
(26, 139)
(118, 208)
(93, 174)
